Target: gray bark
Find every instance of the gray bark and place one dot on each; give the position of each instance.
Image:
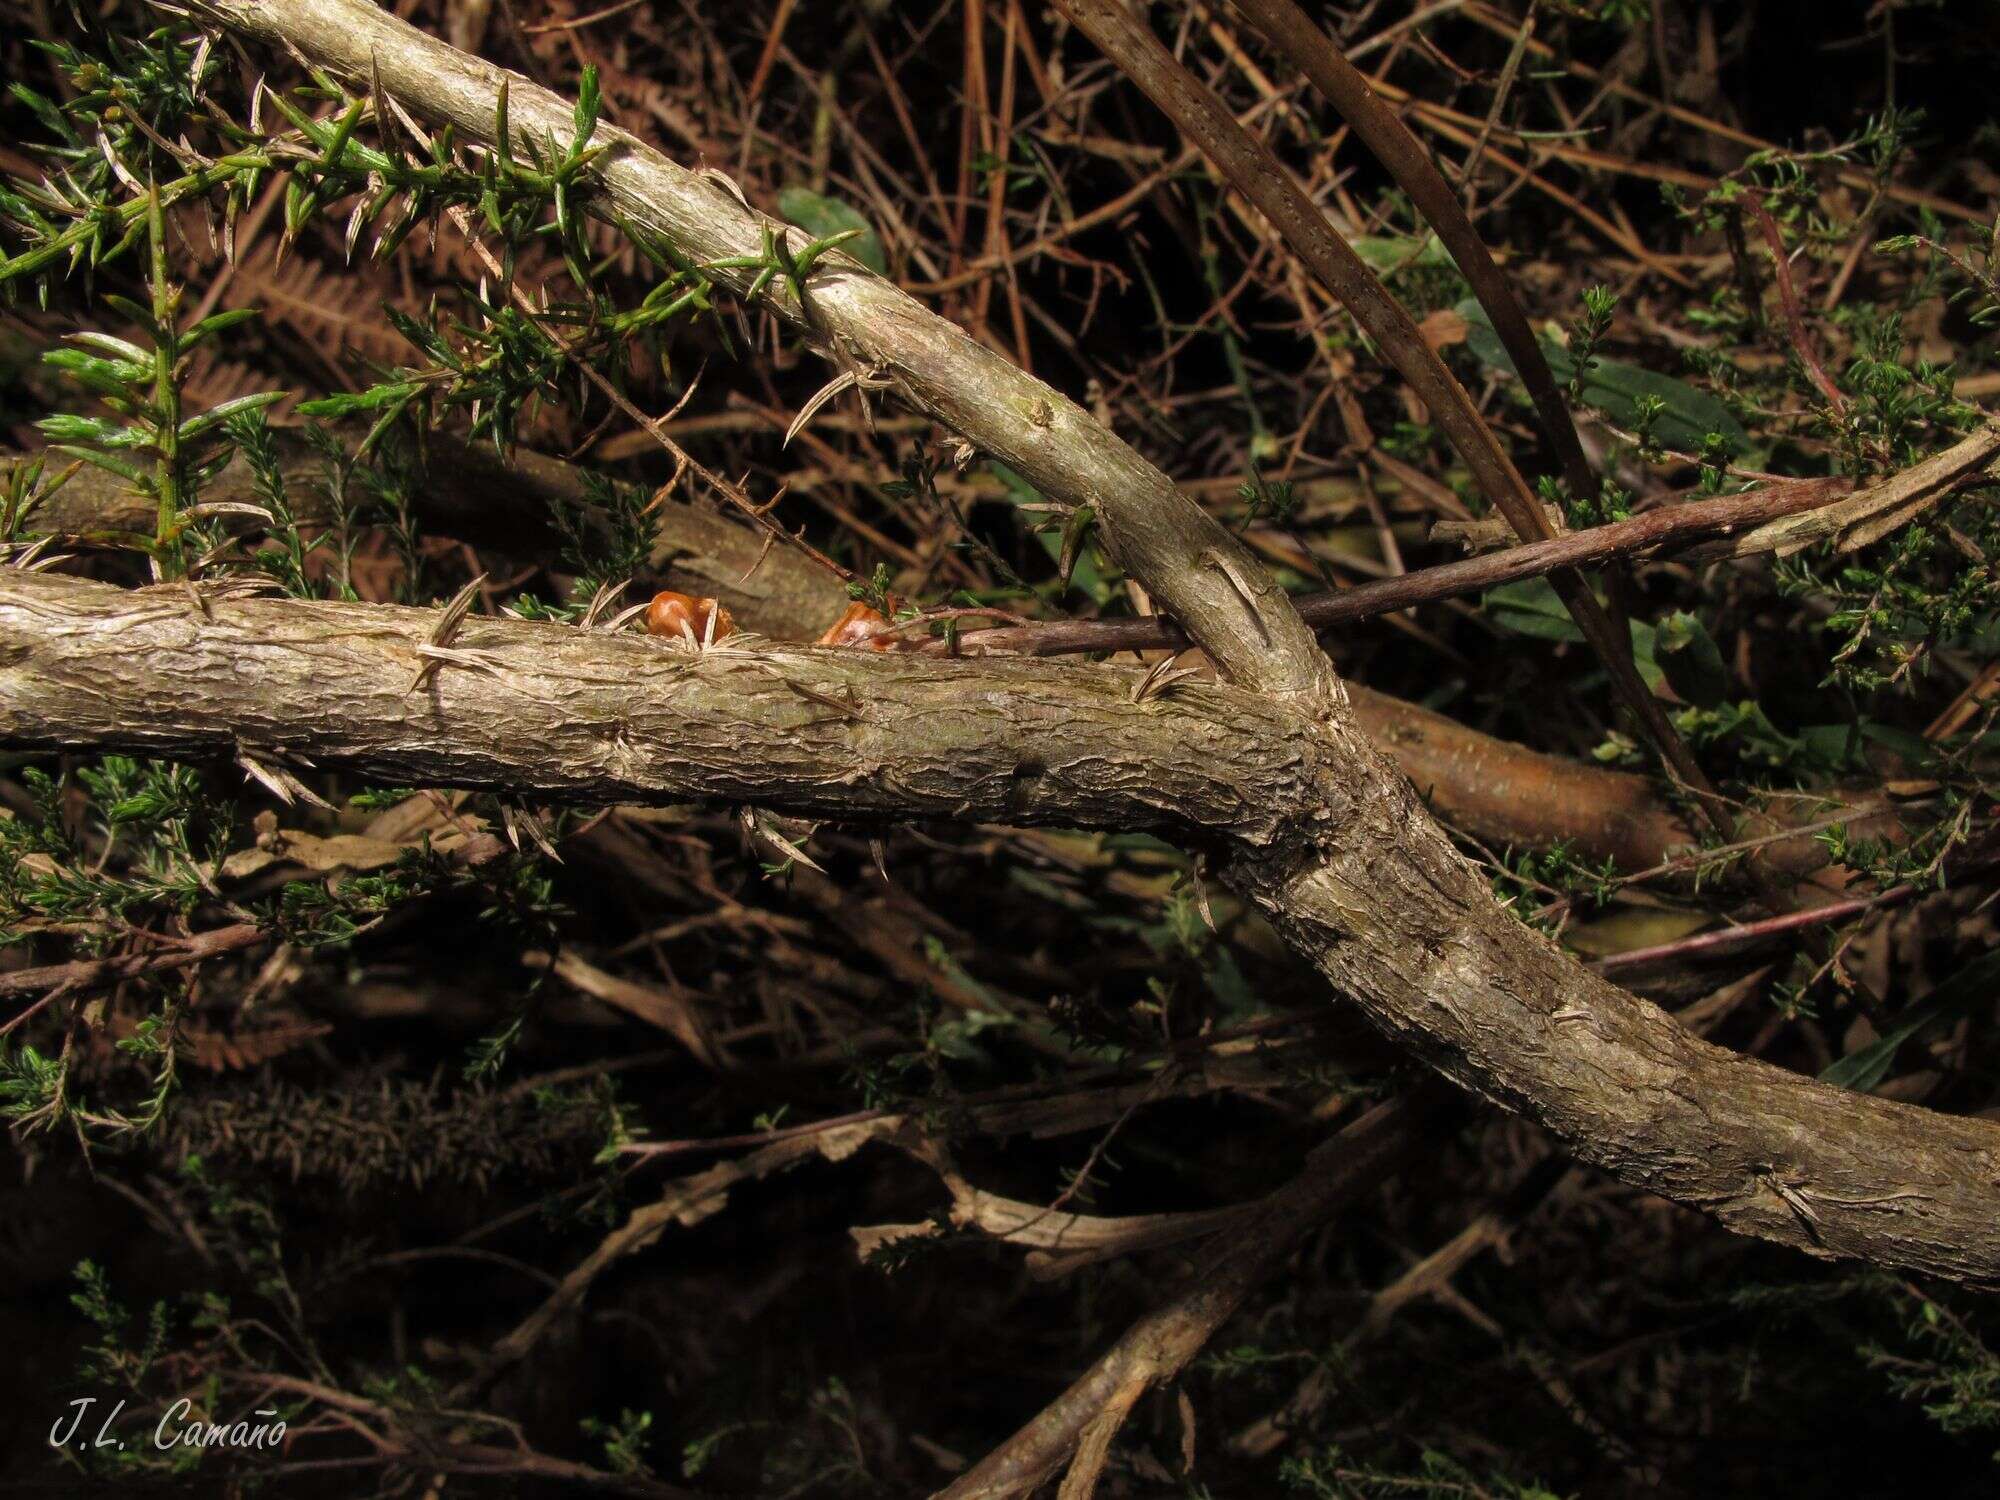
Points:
(1317, 828)
(595, 717)
(1348, 866)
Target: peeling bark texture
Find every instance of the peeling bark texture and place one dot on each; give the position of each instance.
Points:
(1200, 573)
(1325, 836)
(1498, 791)
(585, 716)
(1397, 919)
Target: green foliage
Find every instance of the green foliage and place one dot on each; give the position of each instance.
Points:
(1979, 290)
(1898, 603)
(1945, 1366)
(1541, 886)
(608, 537)
(1971, 989)
(624, 1442)
(159, 817)
(828, 219)
(1658, 408)
(1329, 1474)
(1416, 267)
(141, 385)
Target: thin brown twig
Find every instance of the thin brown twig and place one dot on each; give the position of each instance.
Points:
(1661, 530)
(1728, 939)
(1788, 299)
(88, 973)
(1255, 172)
(1086, 1416)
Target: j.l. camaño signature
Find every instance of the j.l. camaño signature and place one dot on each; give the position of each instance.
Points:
(178, 1427)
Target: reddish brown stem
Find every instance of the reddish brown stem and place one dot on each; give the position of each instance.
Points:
(1259, 176)
(1728, 939)
(1383, 132)
(1788, 299)
(1667, 527)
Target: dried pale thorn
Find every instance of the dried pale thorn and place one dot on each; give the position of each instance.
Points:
(626, 616)
(760, 828)
(455, 612)
(435, 657)
(826, 393)
(1195, 874)
(846, 708)
(449, 620)
(1795, 1198)
(29, 556)
(606, 595)
(208, 509)
(727, 183)
(1160, 680)
(281, 783)
(518, 820)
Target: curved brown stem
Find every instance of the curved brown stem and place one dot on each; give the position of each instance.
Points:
(1665, 529)
(1255, 172)
(1383, 132)
(1317, 829)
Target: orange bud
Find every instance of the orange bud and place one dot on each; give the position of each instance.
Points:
(853, 627)
(676, 615)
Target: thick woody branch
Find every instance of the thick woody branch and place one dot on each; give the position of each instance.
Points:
(1346, 865)
(1499, 792)
(1322, 832)
(584, 716)
(1198, 572)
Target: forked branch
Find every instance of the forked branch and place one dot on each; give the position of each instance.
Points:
(1348, 868)
(1314, 825)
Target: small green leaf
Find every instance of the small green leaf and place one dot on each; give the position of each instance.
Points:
(215, 416)
(347, 404)
(72, 427)
(208, 328)
(1531, 607)
(106, 377)
(588, 100)
(1688, 655)
(117, 348)
(1389, 253)
(139, 478)
(1972, 986)
(1645, 655)
(1686, 418)
(823, 218)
